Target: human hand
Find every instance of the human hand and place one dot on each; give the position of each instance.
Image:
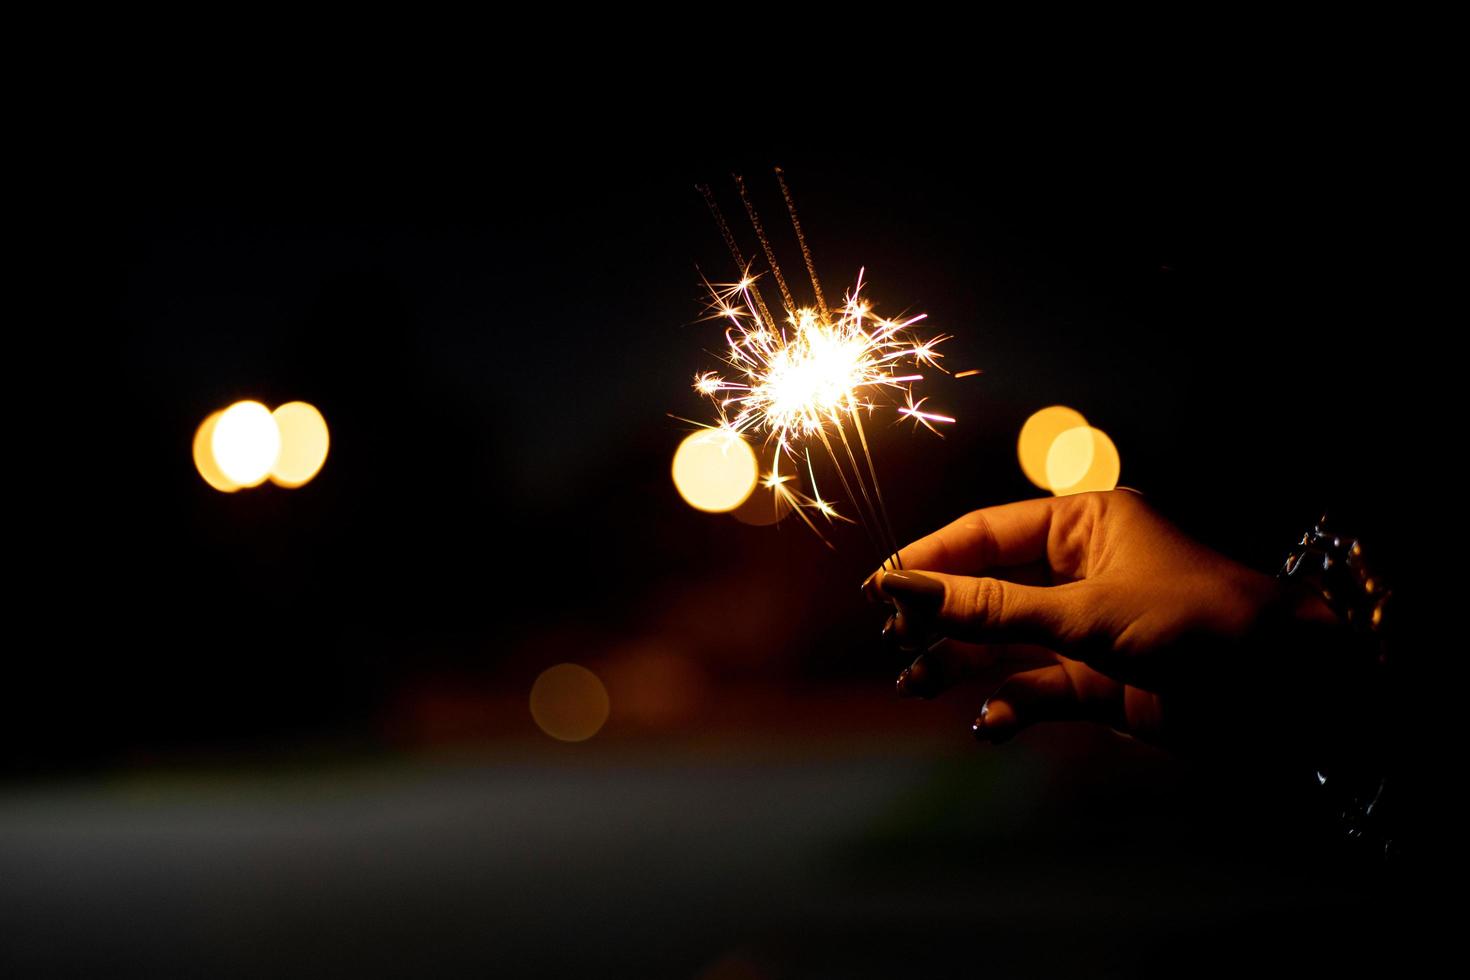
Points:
(1121, 618)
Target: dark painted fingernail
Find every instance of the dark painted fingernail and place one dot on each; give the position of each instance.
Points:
(978, 728)
(918, 679)
(912, 586)
(911, 681)
(870, 588)
(890, 626)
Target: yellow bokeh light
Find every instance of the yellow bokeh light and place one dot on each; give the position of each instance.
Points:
(1082, 459)
(245, 443)
(714, 470)
(204, 457)
(304, 443)
(569, 702)
(1037, 435)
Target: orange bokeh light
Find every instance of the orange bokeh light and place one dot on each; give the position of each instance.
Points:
(204, 456)
(1037, 436)
(714, 470)
(304, 444)
(1082, 459)
(569, 702)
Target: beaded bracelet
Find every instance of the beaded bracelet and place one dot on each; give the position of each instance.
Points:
(1355, 785)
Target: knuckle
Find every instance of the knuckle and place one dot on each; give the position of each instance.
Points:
(987, 601)
(1087, 607)
(1094, 505)
(978, 524)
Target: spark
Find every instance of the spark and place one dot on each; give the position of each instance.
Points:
(798, 379)
(913, 411)
(803, 380)
(809, 377)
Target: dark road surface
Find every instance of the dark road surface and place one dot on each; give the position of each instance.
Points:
(866, 861)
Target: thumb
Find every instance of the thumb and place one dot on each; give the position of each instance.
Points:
(989, 610)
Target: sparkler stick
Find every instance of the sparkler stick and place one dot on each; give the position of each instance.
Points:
(872, 537)
(806, 253)
(760, 234)
(877, 490)
(811, 268)
(879, 528)
(803, 376)
(714, 209)
(886, 538)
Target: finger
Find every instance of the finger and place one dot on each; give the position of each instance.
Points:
(1010, 534)
(949, 662)
(899, 636)
(1068, 691)
(989, 610)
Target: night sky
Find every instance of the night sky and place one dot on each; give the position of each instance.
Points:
(499, 321)
(491, 288)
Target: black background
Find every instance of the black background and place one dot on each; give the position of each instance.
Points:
(494, 300)
(498, 331)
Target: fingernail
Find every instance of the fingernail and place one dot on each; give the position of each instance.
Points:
(913, 586)
(910, 680)
(978, 728)
(916, 680)
(870, 588)
(894, 638)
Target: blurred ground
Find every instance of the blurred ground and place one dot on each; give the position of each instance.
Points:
(876, 853)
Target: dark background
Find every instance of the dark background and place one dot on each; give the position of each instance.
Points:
(497, 316)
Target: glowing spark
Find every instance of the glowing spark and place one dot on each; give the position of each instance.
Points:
(969, 374)
(803, 379)
(811, 376)
(912, 410)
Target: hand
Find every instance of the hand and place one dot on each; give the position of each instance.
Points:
(1122, 619)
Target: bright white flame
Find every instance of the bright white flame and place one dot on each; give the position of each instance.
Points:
(245, 443)
(808, 377)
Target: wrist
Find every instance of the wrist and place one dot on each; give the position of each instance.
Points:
(1338, 603)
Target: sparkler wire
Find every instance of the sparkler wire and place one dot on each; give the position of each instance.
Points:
(877, 489)
(862, 514)
(806, 253)
(760, 234)
(714, 208)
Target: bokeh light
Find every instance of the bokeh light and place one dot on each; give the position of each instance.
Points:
(245, 443)
(569, 702)
(1037, 435)
(1082, 459)
(714, 470)
(204, 456)
(304, 443)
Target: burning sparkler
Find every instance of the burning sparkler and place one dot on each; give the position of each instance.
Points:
(810, 376)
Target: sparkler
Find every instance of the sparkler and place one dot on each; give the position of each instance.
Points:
(809, 378)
